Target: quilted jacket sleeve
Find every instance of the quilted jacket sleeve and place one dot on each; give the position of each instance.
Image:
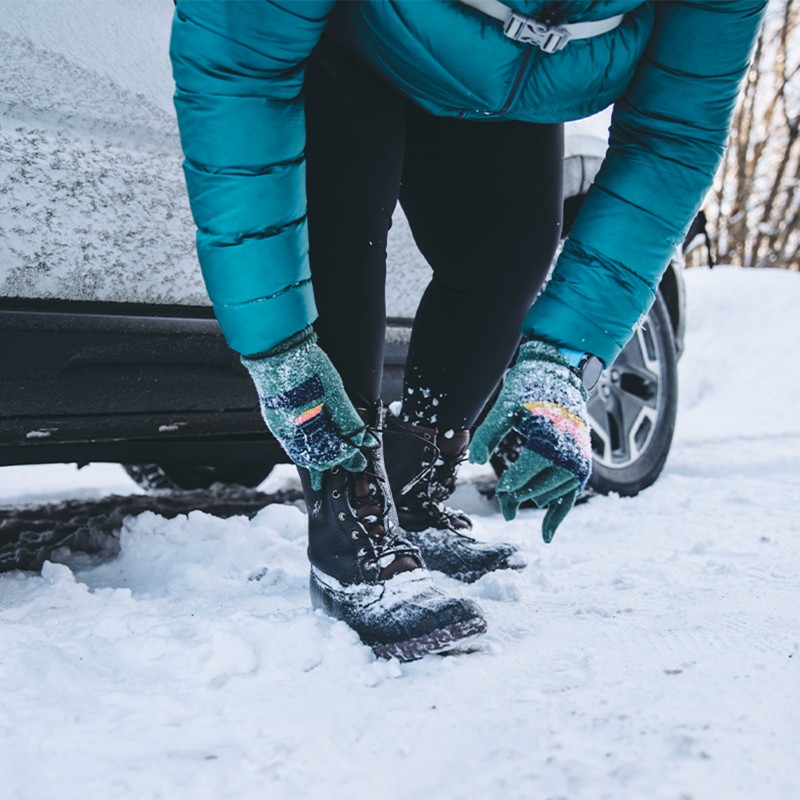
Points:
(238, 68)
(668, 134)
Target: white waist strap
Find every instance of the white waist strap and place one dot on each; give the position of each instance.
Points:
(530, 31)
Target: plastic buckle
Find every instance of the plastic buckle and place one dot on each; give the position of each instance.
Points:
(530, 31)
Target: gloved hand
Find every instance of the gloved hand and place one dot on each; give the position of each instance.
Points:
(545, 401)
(305, 406)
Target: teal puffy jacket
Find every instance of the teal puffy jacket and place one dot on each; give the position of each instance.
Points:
(672, 68)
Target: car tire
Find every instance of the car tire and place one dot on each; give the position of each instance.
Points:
(632, 412)
(183, 477)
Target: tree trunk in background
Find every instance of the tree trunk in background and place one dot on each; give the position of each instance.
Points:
(754, 206)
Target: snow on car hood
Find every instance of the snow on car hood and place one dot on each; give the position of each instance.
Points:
(93, 205)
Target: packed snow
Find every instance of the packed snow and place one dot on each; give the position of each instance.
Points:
(653, 650)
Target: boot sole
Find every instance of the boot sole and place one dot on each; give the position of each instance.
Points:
(513, 561)
(450, 639)
(475, 575)
(443, 641)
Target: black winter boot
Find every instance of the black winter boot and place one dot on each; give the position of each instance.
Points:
(422, 474)
(366, 573)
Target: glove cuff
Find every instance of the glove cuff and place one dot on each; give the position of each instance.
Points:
(305, 336)
(544, 352)
(539, 350)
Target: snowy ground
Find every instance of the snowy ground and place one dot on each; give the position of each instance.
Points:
(653, 650)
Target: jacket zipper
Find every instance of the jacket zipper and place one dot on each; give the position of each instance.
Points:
(523, 67)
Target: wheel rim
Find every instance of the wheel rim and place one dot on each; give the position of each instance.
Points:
(624, 407)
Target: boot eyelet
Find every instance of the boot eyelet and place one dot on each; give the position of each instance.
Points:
(336, 494)
(370, 565)
(354, 535)
(335, 470)
(427, 448)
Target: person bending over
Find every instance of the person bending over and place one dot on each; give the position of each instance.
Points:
(303, 123)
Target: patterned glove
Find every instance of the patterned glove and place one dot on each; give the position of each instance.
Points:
(545, 401)
(305, 406)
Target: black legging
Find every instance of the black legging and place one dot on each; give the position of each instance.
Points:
(483, 200)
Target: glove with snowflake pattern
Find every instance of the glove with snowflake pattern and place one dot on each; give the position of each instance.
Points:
(306, 408)
(545, 401)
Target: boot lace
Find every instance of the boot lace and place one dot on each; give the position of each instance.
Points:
(435, 486)
(369, 499)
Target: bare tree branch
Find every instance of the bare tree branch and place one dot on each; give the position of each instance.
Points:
(753, 210)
